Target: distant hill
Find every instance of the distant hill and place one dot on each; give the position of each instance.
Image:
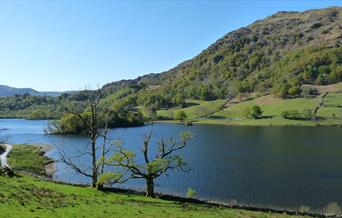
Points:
(6, 91)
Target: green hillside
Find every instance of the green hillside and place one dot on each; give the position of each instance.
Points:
(330, 113)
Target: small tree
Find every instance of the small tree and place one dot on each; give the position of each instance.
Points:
(191, 193)
(256, 112)
(164, 160)
(246, 113)
(180, 115)
(294, 91)
(308, 114)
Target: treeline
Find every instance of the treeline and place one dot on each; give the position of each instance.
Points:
(71, 123)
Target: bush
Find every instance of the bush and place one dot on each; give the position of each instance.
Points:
(332, 209)
(180, 115)
(191, 193)
(285, 114)
(308, 114)
(256, 112)
(308, 92)
(294, 91)
(291, 114)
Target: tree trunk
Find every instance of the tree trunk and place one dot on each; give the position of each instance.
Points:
(93, 154)
(150, 187)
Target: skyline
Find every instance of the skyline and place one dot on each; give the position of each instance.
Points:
(58, 46)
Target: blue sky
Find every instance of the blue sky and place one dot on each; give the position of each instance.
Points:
(61, 45)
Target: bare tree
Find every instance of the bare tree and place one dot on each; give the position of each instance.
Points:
(164, 160)
(96, 126)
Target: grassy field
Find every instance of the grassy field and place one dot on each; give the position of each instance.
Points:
(28, 158)
(28, 197)
(25, 196)
(197, 109)
(330, 113)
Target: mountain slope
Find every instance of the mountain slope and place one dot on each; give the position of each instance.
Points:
(277, 54)
(10, 91)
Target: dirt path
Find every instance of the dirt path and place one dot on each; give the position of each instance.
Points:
(3, 157)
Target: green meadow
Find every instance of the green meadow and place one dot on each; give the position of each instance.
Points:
(233, 114)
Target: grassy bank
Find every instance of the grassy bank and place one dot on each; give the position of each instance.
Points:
(25, 196)
(28, 158)
(28, 197)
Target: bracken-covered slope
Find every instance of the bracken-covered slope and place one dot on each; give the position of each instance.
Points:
(277, 54)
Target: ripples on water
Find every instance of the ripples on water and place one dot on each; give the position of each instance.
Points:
(267, 166)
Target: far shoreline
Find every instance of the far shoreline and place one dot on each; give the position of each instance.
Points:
(247, 125)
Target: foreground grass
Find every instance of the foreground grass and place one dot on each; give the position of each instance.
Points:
(25, 196)
(28, 197)
(28, 158)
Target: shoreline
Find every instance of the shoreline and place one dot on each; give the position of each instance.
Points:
(49, 166)
(182, 200)
(248, 125)
(171, 197)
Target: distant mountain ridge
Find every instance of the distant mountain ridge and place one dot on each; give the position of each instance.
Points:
(6, 91)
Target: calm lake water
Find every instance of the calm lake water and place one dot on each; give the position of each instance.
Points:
(269, 166)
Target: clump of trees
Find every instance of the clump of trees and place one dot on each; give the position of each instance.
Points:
(254, 112)
(308, 92)
(306, 114)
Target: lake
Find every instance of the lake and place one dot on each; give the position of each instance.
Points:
(280, 167)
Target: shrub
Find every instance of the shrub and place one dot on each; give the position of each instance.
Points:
(307, 114)
(285, 114)
(291, 114)
(308, 92)
(180, 115)
(332, 209)
(294, 91)
(256, 112)
(191, 193)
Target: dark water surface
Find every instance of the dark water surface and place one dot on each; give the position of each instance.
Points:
(267, 166)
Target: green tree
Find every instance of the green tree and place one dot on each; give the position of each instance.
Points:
(246, 113)
(256, 112)
(191, 193)
(308, 114)
(178, 100)
(294, 91)
(180, 115)
(204, 93)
